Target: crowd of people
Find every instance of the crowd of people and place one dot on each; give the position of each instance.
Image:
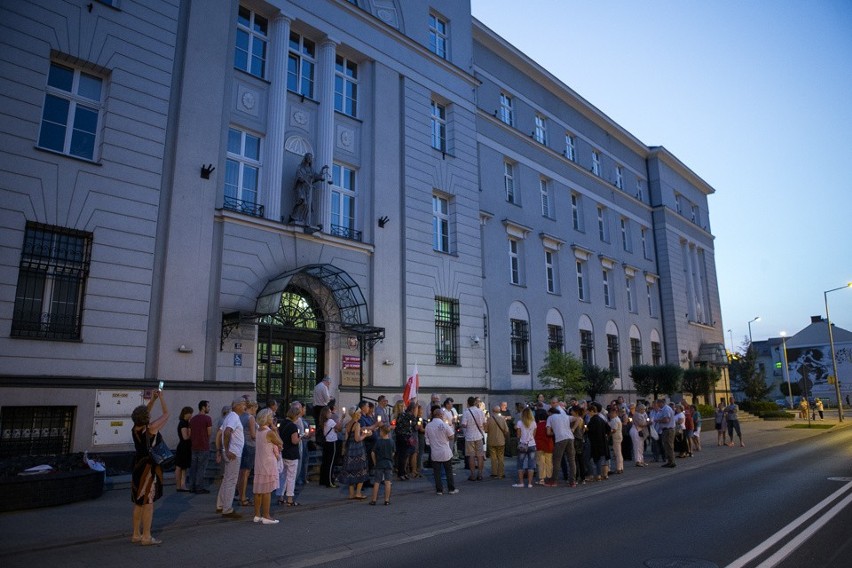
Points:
(372, 444)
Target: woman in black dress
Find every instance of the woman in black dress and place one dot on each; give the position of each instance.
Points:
(183, 453)
(147, 480)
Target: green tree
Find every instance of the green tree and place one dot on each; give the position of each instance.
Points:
(747, 377)
(597, 380)
(699, 381)
(654, 380)
(562, 373)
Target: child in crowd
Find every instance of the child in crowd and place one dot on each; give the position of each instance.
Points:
(383, 460)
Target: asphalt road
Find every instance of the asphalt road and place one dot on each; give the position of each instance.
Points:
(781, 501)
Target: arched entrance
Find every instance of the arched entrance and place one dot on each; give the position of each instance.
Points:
(290, 349)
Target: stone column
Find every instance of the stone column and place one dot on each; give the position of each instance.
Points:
(325, 128)
(276, 117)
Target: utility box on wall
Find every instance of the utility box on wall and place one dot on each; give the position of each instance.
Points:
(112, 416)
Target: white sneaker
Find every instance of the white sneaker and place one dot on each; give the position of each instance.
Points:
(529, 486)
(454, 491)
(266, 521)
(517, 485)
(257, 519)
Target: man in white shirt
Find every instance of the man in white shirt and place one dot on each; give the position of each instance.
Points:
(322, 395)
(439, 435)
(559, 426)
(233, 440)
(473, 424)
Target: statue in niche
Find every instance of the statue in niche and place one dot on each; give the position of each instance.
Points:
(306, 178)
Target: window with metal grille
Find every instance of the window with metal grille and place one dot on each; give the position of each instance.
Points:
(612, 353)
(656, 353)
(51, 283)
(587, 347)
(35, 430)
(555, 338)
(520, 346)
(636, 350)
(446, 331)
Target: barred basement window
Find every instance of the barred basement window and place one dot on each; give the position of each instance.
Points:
(555, 338)
(587, 347)
(446, 331)
(612, 350)
(51, 283)
(35, 430)
(636, 350)
(520, 337)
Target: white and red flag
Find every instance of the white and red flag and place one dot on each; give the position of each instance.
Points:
(411, 386)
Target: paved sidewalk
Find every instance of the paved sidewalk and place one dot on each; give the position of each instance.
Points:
(108, 518)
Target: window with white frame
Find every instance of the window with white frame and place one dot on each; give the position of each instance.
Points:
(612, 351)
(509, 181)
(619, 177)
(631, 301)
(679, 203)
(587, 347)
(555, 338)
(607, 292)
(345, 86)
(576, 212)
(440, 223)
(570, 147)
(582, 293)
(540, 132)
(446, 331)
(603, 225)
(344, 187)
(544, 189)
(70, 120)
(252, 41)
(242, 173)
(550, 271)
(514, 261)
(520, 340)
(640, 195)
(438, 36)
(636, 351)
(596, 162)
(507, 113)
(646, 251)
(438, 121)
(52, 277)
(626, 240)
(696, 216)
(301, 63)
(651, 291)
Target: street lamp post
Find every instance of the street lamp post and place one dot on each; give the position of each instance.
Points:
(756, 318)
(786, 368)
(831, 344)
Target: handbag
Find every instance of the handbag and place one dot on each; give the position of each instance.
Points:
(160, 452)
(523, 448)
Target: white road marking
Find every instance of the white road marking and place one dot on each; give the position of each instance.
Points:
(763, 547)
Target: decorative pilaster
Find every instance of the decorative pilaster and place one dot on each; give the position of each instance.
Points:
(325, 126)
(276, 121)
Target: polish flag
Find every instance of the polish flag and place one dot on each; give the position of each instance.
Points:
(411, 386)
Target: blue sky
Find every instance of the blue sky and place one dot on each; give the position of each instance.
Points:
(756, 98)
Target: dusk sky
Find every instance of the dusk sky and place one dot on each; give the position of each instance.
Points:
(756, 98)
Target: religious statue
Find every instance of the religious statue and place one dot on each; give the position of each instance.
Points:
(306, 178)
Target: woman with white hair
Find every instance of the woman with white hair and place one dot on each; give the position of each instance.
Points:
(266, 458)
(638, 434)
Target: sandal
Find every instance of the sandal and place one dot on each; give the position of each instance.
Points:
(292, 504)
(281, 500)
(246, 502)
(387, 502)
(372, 502)
(360, 497)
